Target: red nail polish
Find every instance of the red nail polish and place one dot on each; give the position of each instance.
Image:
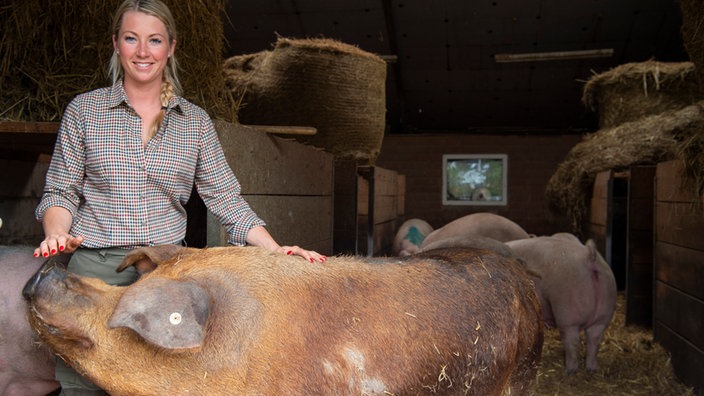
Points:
(289, 252)
(61, 248)
(53, 251)
(36, 254)
(46, 254)
(311, 259)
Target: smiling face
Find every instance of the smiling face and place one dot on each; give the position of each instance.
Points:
(143, 46)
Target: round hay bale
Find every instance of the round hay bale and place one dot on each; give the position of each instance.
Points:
(692, 37)
(646, 141)
(634, 90)
(335, 87)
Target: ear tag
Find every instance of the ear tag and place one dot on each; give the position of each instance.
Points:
(175, 318)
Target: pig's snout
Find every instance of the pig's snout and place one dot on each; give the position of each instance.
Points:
(49, 267)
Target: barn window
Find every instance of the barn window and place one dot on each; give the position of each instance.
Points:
(474, 179)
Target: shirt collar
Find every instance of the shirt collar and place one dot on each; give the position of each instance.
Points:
(119, 96)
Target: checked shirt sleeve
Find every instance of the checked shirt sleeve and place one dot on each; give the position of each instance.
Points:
(64, 178)
(220, 189)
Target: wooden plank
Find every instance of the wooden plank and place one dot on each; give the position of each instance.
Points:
(680, 312)
(641, 182)
(385, 182)
(383, 239)
(291, 220)
(598, 211)
(639, 295)
(362, 196)
(640, 247)
(401, 191)
(24, 177)
(687, 361)
(601, 184)
(669, 185)
(29, 127)
(285, 130)
(266, 164)
(345, 207)
(385, 209)
(639, 266)
(18, 224)
(680, 267)
(679, 223)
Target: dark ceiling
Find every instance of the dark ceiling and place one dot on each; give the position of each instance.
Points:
(445, 77)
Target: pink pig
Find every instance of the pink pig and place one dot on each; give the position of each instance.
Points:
(577, 291)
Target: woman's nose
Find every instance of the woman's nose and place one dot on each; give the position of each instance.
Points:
(142, 50)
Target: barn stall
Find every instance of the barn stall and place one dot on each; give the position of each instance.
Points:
(635, 187)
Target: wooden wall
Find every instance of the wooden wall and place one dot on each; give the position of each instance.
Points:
(369, 203)
(678, 322)
(639, 256)
(380, 197)
(25, 153)
(532, 159)
(598, 219)
(621, 224)
(607, 220)
(288, 184)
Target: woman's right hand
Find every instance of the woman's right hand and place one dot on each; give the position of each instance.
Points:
(58, 243)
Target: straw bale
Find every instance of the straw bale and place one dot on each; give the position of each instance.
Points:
(52, 51)
(337, 88)
(634, 90)
(630, 363)
(693, 35)
(646, 141)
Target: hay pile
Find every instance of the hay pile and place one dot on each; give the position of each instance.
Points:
(634, 90)
(693, 34)
(51, 51)
(630, 363)
(649, 140)
(649, 112)
(335, 87)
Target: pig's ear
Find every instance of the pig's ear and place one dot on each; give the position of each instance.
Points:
(167, 313)
(147, 258)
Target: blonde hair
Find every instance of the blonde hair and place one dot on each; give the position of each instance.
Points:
(170, 85)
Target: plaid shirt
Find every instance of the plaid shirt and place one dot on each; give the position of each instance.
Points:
(122, 194)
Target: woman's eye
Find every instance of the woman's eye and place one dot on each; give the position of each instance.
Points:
(130, 39)
(155, 41)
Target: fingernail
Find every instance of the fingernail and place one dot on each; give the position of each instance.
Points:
(53, 251)
(289, 252)
(36, 254)
(311, 259)
(61, 248)
(46, 254)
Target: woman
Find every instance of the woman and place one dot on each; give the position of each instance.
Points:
(125, 161)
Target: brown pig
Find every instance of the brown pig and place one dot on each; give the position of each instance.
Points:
(242, 320)
(577, 290)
